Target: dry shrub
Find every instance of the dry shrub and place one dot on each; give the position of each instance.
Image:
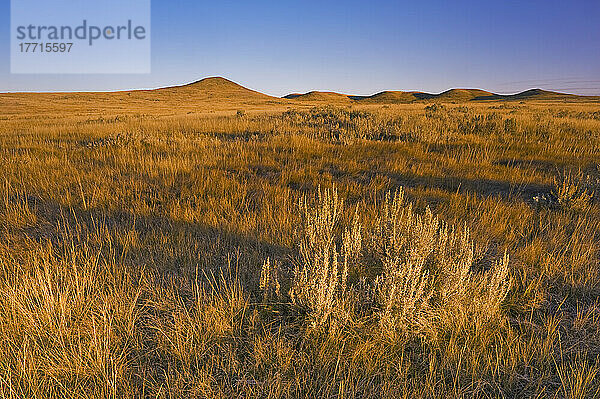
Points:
(428, 280)
(269, 280)
(573, 190)
(320, 276)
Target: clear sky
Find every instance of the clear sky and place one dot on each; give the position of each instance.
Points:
(357, 47)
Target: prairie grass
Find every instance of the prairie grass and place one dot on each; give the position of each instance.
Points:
(393, 251)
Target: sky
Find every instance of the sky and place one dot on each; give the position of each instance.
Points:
(355, 47)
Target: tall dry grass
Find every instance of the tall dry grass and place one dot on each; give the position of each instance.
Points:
(325, 252)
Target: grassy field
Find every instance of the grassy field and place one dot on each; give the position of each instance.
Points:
(280, 249)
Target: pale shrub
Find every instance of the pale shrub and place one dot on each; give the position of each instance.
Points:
(269, 280)
(428, 274)
(428, 280)
(573, 190)
(320, 276)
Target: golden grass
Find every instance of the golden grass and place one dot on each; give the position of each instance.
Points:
(151, 252)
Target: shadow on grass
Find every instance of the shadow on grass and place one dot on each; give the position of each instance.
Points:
(171, 248)
(482, 187)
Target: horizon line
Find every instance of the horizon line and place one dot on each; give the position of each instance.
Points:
(131, 89)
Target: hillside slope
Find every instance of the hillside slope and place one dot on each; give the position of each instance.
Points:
(461, 95)
(209, 95)
(320, 96)
(212, 88)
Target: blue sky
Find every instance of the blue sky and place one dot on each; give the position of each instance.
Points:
(358, 47)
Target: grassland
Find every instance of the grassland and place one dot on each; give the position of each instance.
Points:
(157, 245)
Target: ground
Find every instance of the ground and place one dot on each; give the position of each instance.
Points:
(136, 230)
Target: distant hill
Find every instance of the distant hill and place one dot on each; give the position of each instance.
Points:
(320, 96)
(221, 89)
(209, 95)
(539, 94)
(214, 88)
(219, 95)
(461, 95)
(451, 95)
(395, 97)
(292, 96)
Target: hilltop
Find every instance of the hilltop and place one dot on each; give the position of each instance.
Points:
(214, 88)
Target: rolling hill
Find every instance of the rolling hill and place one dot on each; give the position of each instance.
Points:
(539, 94)
(209, 95)
(461, 95)
(213, 88)
(219, 95)
(451, 95)
(320, 96)
(395, 97)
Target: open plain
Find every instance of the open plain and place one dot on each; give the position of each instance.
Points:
(208, 240)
